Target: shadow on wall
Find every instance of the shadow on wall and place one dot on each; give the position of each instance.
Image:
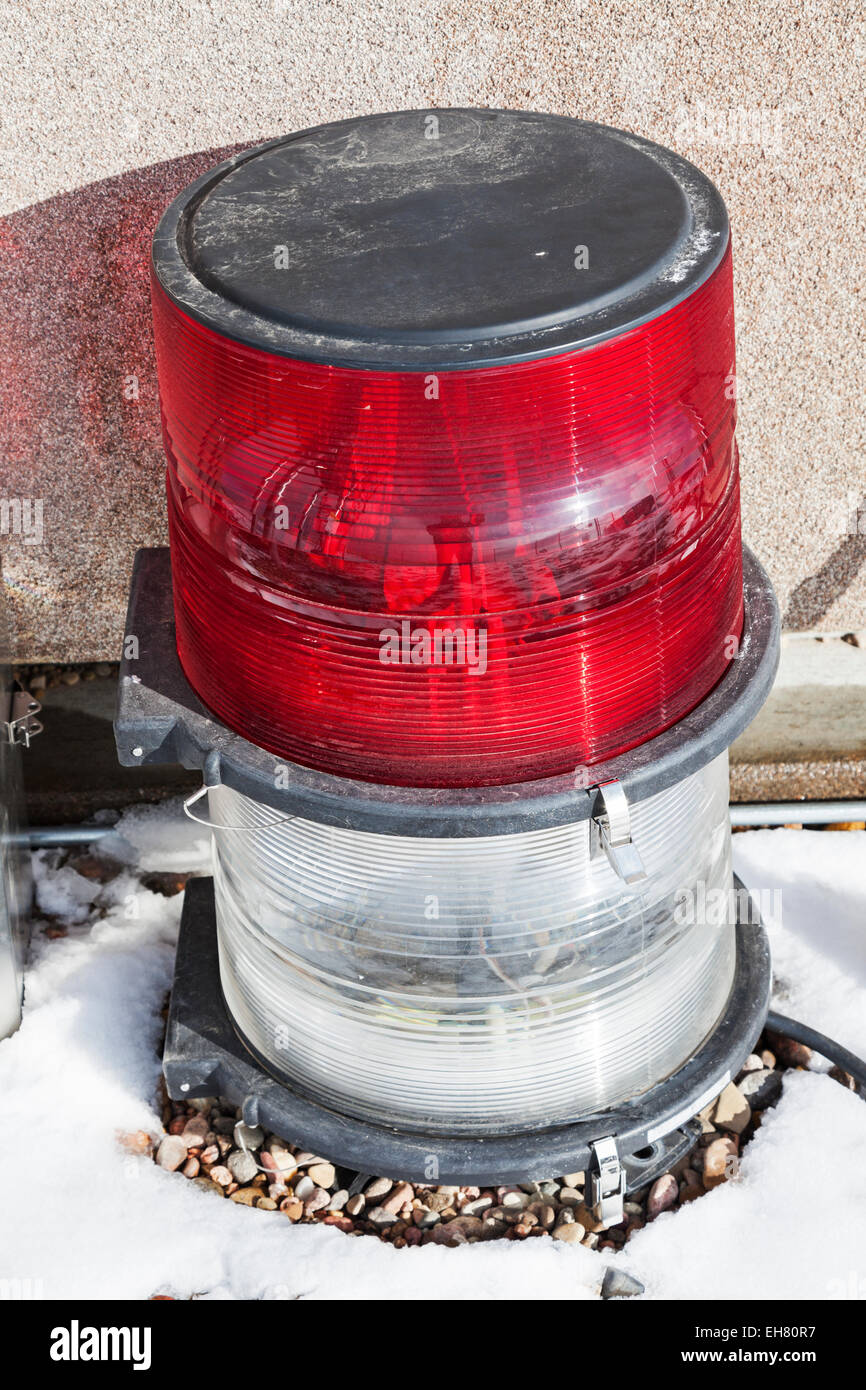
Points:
(813, 596)
(79, 413)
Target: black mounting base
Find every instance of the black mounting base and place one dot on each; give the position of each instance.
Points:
(204, 1056)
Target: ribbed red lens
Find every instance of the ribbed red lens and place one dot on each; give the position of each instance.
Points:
(572, 522)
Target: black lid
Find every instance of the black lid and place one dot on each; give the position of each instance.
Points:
(440, 239)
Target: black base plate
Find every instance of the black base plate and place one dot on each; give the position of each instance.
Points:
(204, 1056)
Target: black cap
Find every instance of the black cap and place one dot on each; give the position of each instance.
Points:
(425, 240)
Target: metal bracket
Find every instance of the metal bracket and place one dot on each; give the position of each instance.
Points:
(611, 830)
(22, 724)
(606, 1192)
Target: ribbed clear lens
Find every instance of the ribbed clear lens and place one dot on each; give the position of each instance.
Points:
(469, 985)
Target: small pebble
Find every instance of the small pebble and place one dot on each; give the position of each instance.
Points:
(572, 1234)
(377, 1188)
(322, 1174)
(618, 1284)
(762, 1088)
(172, 1152)
(663, 1195)
(318, 1200)
(719, 1160)
(381, 1218)
(304, 1188)
(242, 1166)
(248, 1137)
(732, 1111)
(244, 1196)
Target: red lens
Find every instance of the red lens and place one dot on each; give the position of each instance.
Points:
(476, 577)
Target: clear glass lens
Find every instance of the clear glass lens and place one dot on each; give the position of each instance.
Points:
(479, 984)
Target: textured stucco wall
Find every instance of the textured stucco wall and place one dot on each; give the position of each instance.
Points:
(108, 110)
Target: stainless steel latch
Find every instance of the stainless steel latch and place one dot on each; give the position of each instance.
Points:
(22, 724)
(606, 1191)
(611, 830)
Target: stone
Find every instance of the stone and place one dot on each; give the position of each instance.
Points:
(732, 1111)
(469, 1227)
(221, 1175)
(514, 1201)
(318, 1200)
(304, 1188)
(720, 1159)
(691, 1186)
(705, 1117)
(138, 1142)
(208, 1185)
(172, 1152)
(294, 1211)
(617, 1283)
(572, 1233)
(266, 1204)
(245, 1196)
(791, 1053)
(322, 1174)
(338, 1200)
(377, 1188)
(843, 1077)
(242, 1166)
(662, 1195)
(191, 1168)
(492, 1228)
(570, 1197)
(437, 1201)
(381, 1218)
(478, 1206)
(768, 1058)
(574, 1180)
(425, 1219)
(249, 1136)
(762, 1088)
(752, 1063)
(282, 1159)
(587, 1219)
(399, 1198)
(356, 1204)
(194, 1131)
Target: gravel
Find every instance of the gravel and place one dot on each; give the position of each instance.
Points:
(208, 1144)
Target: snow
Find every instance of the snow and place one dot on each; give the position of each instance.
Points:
(81, 1218)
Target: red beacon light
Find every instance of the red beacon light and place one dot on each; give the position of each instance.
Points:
(452, 477)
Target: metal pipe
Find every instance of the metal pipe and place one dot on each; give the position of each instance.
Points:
(57, 836)
(797, 812)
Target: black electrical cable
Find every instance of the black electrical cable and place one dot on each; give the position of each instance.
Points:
(819, 1042)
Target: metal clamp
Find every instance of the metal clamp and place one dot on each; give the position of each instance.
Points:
(606, 1190)
(611, 822)
(22, 724)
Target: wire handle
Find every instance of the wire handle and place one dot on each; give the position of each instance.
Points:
(216, 825)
